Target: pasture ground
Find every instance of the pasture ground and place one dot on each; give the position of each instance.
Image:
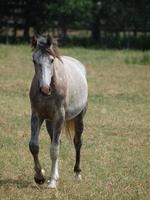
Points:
(116, 150)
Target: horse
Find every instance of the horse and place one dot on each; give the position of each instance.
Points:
(58, 96)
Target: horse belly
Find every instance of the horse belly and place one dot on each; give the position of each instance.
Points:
(77, 97)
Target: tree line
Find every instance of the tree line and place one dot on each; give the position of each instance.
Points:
(110, 23)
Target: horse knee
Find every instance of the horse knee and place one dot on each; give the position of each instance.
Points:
(34, 148)
(54, 151)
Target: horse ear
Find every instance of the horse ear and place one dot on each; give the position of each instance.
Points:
(49, 40)
(34, 41)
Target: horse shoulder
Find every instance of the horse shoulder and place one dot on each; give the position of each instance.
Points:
(72, 62)
(60, 77)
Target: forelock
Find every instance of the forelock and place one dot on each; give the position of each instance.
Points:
(42, 43)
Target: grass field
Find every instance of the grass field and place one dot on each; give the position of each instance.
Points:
(116, 150)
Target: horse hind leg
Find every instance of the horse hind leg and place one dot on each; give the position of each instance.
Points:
(79, 126)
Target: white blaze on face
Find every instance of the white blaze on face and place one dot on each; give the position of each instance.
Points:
(46, 72)
(44, 67)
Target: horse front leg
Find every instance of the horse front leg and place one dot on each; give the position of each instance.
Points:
(54, 151)
(36, 123)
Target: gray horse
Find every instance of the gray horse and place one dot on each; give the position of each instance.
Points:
(58, 95)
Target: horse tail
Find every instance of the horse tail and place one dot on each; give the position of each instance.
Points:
(70, 128)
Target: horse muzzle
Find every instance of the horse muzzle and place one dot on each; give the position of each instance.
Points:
(46, 90)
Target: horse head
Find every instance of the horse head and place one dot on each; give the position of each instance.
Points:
(43, 58)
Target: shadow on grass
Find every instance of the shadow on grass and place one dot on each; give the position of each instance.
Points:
(15, 183)
(20, 184)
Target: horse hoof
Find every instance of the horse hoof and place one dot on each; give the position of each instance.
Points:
(40, 179)
(78, 177)
(52, 184)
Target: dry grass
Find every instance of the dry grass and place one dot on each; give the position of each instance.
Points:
(116, 150)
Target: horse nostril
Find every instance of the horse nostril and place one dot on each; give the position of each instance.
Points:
(45, 89)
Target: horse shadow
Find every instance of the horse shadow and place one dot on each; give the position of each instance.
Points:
(20, 184)
(15, 183)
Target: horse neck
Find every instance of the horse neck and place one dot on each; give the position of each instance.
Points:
(60, 78)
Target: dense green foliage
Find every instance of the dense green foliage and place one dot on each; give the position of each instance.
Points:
(116, 23)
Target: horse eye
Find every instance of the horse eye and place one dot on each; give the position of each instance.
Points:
(52, 60)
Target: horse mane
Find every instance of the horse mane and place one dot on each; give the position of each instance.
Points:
(53, 50)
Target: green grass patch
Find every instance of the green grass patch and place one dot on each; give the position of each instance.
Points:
(115, 153)
(142, 59)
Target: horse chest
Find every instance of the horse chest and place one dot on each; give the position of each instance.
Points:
(46, 107)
